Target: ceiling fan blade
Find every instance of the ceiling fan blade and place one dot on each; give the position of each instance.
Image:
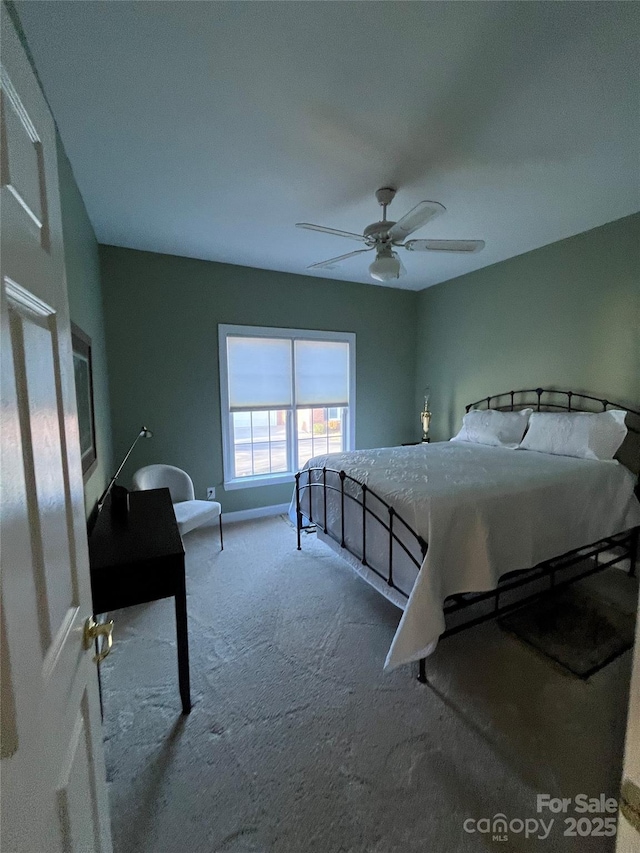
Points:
(335, 231)
(333, 262)
(466, 246)
(416, 218)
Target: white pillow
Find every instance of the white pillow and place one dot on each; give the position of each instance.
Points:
(497, 429)
(581, 434)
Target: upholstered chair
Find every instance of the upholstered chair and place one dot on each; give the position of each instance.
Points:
(190, 513)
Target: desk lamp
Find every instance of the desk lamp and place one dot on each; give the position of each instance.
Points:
(119, 498)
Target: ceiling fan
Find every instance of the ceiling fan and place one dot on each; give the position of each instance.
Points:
(385, 236)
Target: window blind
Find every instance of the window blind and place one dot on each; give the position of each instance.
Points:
(260, 372)
(321, 373)
(277, 373)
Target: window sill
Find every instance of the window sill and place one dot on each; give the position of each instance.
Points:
(260, 480)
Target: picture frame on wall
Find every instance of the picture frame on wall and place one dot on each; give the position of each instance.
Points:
(83, 375)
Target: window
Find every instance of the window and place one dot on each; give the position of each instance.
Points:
(286, 395)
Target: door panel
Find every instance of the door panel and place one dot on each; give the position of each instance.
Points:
(53, 778)
(22, 158)
(628, 840)
(38, 405)
(76, 792)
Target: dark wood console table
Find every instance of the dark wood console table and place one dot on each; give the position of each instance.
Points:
(138, 557)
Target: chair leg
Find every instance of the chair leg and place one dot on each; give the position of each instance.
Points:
(221, 542)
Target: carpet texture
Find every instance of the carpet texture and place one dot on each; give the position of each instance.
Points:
(297, 741)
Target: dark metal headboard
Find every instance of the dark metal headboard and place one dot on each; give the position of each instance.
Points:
(550, 399)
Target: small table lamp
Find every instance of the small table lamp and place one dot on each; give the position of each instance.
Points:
(119, 498)
(425, 416)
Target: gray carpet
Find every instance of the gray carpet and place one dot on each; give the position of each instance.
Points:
(297, 742)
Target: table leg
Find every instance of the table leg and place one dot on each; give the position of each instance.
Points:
(183, 644)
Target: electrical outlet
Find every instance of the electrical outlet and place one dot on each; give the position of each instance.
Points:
(211, 493)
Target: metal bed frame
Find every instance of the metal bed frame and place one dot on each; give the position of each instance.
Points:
(543, 576)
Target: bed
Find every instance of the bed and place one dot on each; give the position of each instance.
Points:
(455, 533)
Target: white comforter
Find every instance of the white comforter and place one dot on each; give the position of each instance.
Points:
(485, 511)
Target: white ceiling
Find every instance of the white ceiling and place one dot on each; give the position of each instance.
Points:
(208, 129)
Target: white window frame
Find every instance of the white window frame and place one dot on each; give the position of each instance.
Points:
(225, 330)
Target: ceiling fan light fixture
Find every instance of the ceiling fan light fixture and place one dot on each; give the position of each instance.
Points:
(386, 267)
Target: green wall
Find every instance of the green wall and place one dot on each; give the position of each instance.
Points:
(85, 308)
(566, 315)
(162, 314)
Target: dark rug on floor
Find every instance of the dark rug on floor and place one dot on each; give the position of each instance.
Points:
(579, 631)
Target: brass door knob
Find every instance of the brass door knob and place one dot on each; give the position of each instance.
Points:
(93, 630)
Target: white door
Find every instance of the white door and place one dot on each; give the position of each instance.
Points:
(53, 779)
(629, 817)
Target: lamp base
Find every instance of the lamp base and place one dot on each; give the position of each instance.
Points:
(119, 502)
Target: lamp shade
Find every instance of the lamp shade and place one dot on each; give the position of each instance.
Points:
(385, 267)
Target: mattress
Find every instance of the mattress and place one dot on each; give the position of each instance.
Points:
(484, 511)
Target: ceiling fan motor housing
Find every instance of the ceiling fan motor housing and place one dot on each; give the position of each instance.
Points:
(385, 196)
(378, 231)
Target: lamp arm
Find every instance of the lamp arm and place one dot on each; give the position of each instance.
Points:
(105, 494)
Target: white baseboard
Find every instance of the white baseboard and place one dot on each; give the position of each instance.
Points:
(258, 512)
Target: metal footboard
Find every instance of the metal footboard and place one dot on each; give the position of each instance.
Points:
(461, 611)
(398, 533)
